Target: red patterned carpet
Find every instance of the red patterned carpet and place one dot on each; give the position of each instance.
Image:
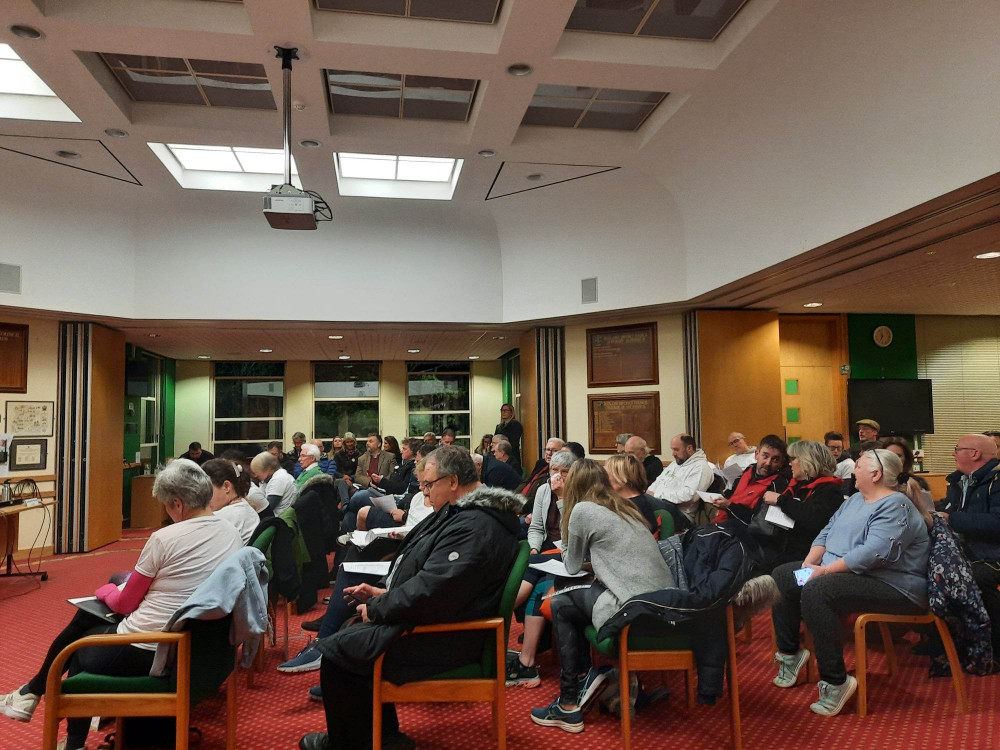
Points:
(909, 711)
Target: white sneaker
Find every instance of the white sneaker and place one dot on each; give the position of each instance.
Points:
(18, 706)
(833, 697)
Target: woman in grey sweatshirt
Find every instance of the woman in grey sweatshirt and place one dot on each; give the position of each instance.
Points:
(603, 528)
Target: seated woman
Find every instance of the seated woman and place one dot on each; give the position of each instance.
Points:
(812, 497)
(485, 444)
(628, 479)
(543, 533)
(173, 562)
(391, 445)
(914, 487)
(598, 524)
(230, 485)
(870, 557)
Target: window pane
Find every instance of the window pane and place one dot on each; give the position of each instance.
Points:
(332, 418)
(436, 423)
(250, 369)
(437, 367)
(265, 431)
(438, 392)
(347, 381)
(249, 398)
(249, 449)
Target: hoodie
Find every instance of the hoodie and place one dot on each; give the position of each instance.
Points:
(680, 483)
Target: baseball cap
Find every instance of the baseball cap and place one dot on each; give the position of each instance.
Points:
(870, 423)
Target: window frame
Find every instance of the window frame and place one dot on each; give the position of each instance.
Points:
(462, 368)
(345, 399)
(248, 378)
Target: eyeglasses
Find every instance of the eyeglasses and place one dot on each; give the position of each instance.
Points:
(735, 442)
(426, 486)
(959, 448)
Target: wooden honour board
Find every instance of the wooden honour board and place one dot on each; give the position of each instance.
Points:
(610, 415)
(13, 358)
(622, 355)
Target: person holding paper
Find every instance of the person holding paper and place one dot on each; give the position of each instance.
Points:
(810, 501)
(361, 511)
(680, 482)
(870, 557)
(598, 524)
(173, 563)
(767, 473)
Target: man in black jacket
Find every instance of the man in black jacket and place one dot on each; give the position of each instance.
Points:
(497, 469)
(452, 566)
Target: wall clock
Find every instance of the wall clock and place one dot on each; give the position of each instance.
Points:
(882, 336)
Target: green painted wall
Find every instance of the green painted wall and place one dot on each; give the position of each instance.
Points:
(168, 388)
(870, 361)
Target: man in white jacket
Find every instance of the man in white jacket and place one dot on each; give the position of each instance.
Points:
(689, 474)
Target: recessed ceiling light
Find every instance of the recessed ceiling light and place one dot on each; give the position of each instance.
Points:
(813, 304)
(25, 32)
(930, 252)
(520, 69)
(265, 351)
(335, 338)
(203, 356)
(153, 335)
(344, 356)
(487, 153)
(116, 132)
(309, 143)
(474, 356)
(413, 351)
(499, 338)
(63, 154)
(988, 256)
(534, 176)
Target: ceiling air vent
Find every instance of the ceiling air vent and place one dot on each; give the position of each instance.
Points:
(588, 290)
(10, 278)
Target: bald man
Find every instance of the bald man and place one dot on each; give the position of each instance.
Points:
(972, 507)
(636, 447)
(743, 455)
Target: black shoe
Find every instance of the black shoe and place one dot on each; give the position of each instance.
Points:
(312, 625)
(315, 741)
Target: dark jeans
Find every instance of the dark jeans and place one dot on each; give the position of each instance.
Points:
(822, 604)
(116, 661)
(987, 575)
(571, 614)
(338, 611)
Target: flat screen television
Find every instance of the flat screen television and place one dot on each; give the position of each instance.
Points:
(901, 407)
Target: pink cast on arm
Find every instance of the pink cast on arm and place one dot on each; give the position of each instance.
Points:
(126, 600)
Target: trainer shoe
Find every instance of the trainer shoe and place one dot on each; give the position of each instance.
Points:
(519, 675)
(789, 666)
(833, 697)
(19, 704)
(592, 686)
(307, 660)
(316, 693)
(554, 715)
(313, 625)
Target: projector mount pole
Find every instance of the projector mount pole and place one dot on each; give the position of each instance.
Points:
(286, 55)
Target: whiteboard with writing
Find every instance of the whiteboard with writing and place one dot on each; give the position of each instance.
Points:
(30, 418)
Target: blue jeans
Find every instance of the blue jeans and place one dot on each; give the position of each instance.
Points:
(339, 611)
(358, 500)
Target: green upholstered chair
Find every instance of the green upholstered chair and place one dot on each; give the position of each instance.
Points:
(205, 643)
(480, 682)
(651, 645)
(263, 543)
(665, 521)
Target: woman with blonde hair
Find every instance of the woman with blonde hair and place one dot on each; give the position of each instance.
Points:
(600, 525)
(628, 479)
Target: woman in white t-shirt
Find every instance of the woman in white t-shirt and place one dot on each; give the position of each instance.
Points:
(172, 564)
(230, 485)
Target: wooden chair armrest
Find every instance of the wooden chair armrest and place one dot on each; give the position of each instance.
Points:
(450, 627)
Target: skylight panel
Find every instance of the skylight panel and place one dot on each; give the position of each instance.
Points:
(24, 95)
(235, 168)
(424, 169)
(390, 176)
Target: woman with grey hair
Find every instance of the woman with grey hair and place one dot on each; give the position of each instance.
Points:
(870, 557)
(172, 564)
(811, 499)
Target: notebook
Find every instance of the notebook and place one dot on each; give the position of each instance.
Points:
(96, 607)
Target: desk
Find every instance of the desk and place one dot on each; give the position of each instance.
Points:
(10, 516)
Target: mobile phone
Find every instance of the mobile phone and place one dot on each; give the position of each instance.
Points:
(802, 575)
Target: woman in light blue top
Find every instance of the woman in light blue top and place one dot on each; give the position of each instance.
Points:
(871, 557)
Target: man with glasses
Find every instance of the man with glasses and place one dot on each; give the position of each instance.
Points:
(743, 455)
(972, 507)
(452, 566)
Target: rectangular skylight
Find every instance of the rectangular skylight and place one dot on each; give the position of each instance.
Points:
(236, 168)
(25, 96)
(392, 176)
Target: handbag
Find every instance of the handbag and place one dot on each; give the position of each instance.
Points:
(761, 528)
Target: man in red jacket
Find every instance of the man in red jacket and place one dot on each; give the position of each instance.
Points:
(768, 473)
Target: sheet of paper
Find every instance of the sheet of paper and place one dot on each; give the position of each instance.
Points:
(385, 503)
(79, 599)
(370, 568)
(710, 497)
(391, 531)
(361, 538)
(556, 568)
(558, 545)
(778, 517)
(732, 473)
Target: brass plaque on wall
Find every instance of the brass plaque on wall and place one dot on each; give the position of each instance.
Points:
(622, 355)
(13, 358)
(610, 415)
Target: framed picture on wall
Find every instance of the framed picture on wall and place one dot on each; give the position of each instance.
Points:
(622, 355)
(13, 358)
(610, 415)
(30, 418)
(28, 454)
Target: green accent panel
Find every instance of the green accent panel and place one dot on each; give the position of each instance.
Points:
(870, 361)
(793, 440)
(791, 387)
(168, 390)
(507, 375)
(792, 415)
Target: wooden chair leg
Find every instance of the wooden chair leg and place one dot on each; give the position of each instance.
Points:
(377, 704)
(957, 677)
(624, 703)
(689, 684)
(861, 670)
(500, 701)
(120, 733)
(231, 707)
(736, 730)
(890, 649)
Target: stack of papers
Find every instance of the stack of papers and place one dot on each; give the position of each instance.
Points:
(557, 568)
(364, 538)
(368, 568)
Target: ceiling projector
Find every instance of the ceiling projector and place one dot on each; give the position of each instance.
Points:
(287, 207)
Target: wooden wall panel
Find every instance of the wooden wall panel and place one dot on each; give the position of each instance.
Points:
(813, 347)
(739, 376)
(529, 398)
(107, 428)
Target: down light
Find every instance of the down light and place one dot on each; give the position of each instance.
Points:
(309, 143)
(988, 256)
(520, 69)
(534, 176)
(413, 351)
(335, 338)
(25, 32)
(487, 153)
(474, 356)
(153, 335)
(813, 304)
(203, 356)
(116, 132)
(265, 351)
(67, 154)
(344, 356)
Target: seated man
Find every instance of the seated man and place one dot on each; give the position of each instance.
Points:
(845, 464)
(620, 442)
(744, 454)
(448, 436)
(498, 472)
(374, 461)
(539, 473)
(681, 481)
(769, 473)
(636, 447)
(309, 456)
(288, 463)
(430, 438)
(972, 507)
(196, 454)
(453, 566)
(326, 464)
(360, 508)
(298, 440)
